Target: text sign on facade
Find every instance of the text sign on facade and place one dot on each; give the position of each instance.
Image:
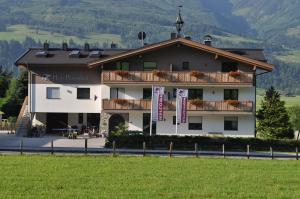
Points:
(158, 103)
(181, 105)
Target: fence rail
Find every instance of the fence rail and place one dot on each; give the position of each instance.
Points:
(9, 127)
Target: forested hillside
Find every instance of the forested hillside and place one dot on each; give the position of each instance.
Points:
(274, 26)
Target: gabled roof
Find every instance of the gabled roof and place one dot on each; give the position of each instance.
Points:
(218, 52)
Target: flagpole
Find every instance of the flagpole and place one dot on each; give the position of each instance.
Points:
(176, 112)
(151, 112)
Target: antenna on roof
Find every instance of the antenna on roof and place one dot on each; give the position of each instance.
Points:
(179, 21)
(142, 37)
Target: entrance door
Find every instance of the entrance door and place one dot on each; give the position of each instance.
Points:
(56, 121)
(114, 121)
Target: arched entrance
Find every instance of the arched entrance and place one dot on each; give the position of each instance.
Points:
(114, 121)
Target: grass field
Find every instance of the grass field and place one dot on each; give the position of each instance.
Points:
(20, 32)
(289, 101)
(136, 177)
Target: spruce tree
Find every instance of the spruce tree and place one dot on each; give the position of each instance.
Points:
(273, 118)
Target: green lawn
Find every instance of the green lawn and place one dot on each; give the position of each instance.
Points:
(137, 177)
(20, 32)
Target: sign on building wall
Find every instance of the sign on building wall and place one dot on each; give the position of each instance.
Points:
(158, 103)
(181, 105)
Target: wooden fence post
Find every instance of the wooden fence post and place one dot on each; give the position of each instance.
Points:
(297, 153)
(144, 149)
(171, 149)
(114, 148)
(52, 147)
(11, 128)
(271, 152)
(21, 147)
(223, 150)
(248, 151)
(85, 145)
(196, 150)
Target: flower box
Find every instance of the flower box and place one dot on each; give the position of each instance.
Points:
(120, 101)
(197, 102)
(160, 74)
(122, 73)
(233, 102)
(197, 74)
(234, 74)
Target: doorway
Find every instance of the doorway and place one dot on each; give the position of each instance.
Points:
(56, 121)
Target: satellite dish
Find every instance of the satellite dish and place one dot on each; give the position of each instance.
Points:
(142, 35)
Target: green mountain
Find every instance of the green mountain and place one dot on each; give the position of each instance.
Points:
(269, 24)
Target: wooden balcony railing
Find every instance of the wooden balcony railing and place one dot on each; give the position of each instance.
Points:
(176, 77)
(245, 106)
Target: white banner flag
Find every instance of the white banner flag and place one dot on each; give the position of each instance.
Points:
(181, 105)
(158, 103)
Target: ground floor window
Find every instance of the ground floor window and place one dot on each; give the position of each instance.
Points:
(230, 123)
(80, 118)
(195, 123)
(83, 93)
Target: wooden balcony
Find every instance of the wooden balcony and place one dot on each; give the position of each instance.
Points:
(245, 106)
(176, 77)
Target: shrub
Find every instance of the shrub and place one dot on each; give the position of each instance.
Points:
(197, 102)
(160, 74)
(233, 102)
(120, 101)
(122, 73)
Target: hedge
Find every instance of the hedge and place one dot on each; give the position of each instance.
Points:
(204, 143)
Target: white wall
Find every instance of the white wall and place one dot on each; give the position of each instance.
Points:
(210, 123)
(68, 102)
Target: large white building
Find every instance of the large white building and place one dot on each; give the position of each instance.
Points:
(106, 87)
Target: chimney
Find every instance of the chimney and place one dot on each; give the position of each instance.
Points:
(46, 46)
(113, 45)
(86, 47)
(173, 35)
(64, 46)
(208, 40)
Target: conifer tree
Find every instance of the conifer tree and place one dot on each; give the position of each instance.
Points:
(273, 118)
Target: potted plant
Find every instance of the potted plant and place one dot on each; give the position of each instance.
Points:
(234, 74)
(122, 73)
(233, 102)
(161, 74)
(120, 101)
(197, 102)
(196, 74)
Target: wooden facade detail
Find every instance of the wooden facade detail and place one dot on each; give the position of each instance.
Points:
(128, 104)
(176, 77)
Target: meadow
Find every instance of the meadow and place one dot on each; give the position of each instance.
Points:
(150, 177)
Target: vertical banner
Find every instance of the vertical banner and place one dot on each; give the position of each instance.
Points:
(158, 103)
(181, 105)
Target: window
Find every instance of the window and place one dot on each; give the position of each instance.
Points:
(147, 93)
(80, 118)
(195, 94)
(117, 93)
(195, 123)
(148, 66)
(230, 123)
(146, 124)
(83, 93)
(229, 66)
(122, 66)
(231, 94)
(53, 93)
(185, 65)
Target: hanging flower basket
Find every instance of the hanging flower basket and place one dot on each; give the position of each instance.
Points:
(233, 102)
(234, 74)
(160, 74)
(120, 101)
(122, 73)
(197, 74)
(197, 102)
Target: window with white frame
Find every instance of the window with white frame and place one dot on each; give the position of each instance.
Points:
(53, 93)
(231, 123)
(195, 123)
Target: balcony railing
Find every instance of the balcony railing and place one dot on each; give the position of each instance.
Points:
(176, 77)
(244, 106)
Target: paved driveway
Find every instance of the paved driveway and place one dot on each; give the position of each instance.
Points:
(11, 141)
